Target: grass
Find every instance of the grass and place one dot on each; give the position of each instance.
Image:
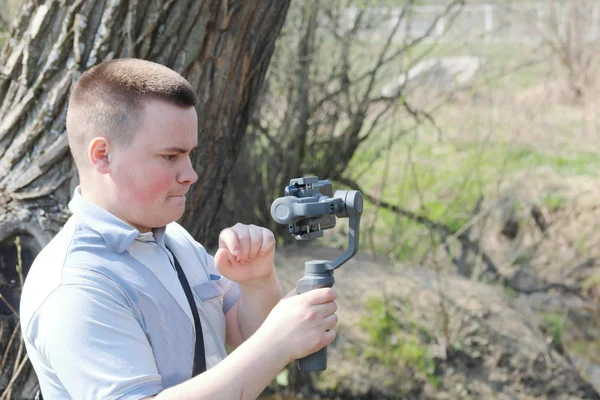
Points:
(397, 343)
(554, 201)
(588, 349)
(556, 323)
(3, 37)
(443, 181)
(510, 292)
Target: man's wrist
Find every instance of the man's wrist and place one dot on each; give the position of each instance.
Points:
(259, 296)
(260, 284)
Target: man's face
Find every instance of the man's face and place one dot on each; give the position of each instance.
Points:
(152, 175)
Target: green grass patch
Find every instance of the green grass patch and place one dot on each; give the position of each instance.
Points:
(588, 349)
(443, 182)
(397, 343)
(554, 201)
(556, 323)
(510, 292)
(567, 164)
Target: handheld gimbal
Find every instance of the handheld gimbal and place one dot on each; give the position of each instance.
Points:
(309, 207)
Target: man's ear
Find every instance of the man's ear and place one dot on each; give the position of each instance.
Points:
(98, 153)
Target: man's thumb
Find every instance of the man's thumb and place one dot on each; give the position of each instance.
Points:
(222, 261)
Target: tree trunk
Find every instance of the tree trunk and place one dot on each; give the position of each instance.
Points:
(223, 49)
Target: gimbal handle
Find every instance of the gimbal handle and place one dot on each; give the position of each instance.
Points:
(310, 281)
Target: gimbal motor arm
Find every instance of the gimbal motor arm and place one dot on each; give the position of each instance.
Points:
(345, 204)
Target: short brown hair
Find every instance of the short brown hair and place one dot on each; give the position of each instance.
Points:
(107, 100)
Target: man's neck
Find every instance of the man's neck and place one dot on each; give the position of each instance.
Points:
(101, 201)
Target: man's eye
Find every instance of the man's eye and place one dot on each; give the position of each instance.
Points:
(169, 157)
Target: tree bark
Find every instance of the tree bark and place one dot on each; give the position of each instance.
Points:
(222, 47)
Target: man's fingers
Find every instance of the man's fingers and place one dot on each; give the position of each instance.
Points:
(321, 295)
(268, 242)
(223, 259)
(243, 236)
(256, 241)
(329, 337)
(228, 239)
(325, 309)
(246, 242)
(330, 321)
(236, 240)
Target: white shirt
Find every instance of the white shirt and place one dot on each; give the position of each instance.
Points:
(104, 315)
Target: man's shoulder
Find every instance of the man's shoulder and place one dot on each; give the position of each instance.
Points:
(45, 274)
(74, 238)
(48, 263)
(49, 270)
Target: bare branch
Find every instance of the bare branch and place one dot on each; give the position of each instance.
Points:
(574, 290)
(383, 59)
(442, 229)
(587, 263)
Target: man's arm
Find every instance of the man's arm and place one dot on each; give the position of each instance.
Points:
(299, 325)
(92, 343)
(276, 332)
(97, 348)
(245, 255)
(256, 302)
(242, 375)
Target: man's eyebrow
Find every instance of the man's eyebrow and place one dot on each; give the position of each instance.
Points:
(177, 149)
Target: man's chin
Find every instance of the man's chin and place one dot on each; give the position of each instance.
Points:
(177, 199)
(174, 213)
(166, 217)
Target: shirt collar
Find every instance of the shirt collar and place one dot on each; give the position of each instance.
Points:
(118, 234)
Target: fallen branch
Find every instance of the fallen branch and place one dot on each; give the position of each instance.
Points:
(574, 290)
(588, 263)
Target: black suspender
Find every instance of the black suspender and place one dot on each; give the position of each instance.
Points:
(199, 356)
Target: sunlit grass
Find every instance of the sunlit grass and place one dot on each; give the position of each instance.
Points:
(443, 181)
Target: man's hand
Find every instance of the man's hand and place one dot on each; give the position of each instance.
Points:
(301, 324)
(246, 253)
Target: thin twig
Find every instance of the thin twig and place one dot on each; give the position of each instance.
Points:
(19, 354)
(12, 337)
(14, 377)
(588, 263)
(8, 305)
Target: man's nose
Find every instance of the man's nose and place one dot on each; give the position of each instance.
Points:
(187, 174)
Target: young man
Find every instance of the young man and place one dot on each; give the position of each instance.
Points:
(103, 313)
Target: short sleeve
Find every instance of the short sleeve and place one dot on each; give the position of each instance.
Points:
(93, 342)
